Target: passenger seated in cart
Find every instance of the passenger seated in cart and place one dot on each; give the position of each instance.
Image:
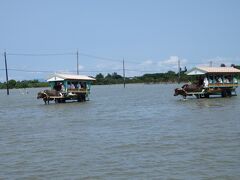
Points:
(78, 86)
(235, 81)
(72, 86)
(219, 79)
(205, 82)
(62, 87)
(229, 79)
(69, 85)
(200, 81)
(84, 86)
(57, 86)
(210, 79)
(226, 79)
(81, 85)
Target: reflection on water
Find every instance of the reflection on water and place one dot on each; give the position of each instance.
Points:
(140, 132)
(205, 103)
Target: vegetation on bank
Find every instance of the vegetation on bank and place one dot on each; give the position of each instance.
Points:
(169, 77)
(13, 84)
(114, 78)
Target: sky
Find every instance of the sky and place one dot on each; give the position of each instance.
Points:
(42, 37)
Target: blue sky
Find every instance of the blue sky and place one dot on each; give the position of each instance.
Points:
(151, 35)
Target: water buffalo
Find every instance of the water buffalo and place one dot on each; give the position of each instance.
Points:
(187, 88)
(45, 95)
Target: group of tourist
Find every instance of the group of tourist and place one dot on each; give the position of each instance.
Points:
(76, 85)
(60, 86)
(216, 79)
(222, 79)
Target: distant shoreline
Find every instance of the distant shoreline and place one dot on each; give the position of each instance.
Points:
(148, 83)
(169, 77)
(114, 78)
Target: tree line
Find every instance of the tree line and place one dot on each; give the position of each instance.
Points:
(13, 84)
(114, 78)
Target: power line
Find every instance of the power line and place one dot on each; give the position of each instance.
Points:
(85, 55)
(71, 54)
(39, 54)
(99, 57)
(74, 54)
(63, 54)
(52, 71)
(24, 70)
(106, 58)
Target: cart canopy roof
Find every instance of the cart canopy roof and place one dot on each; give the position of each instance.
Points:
(212, 70)
(71, 77)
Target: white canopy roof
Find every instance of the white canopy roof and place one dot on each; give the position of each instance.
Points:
(62, 77)
(213, 70)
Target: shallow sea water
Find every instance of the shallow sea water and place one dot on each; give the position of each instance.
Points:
(140, 132)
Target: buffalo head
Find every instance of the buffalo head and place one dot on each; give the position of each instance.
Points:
(41, 95)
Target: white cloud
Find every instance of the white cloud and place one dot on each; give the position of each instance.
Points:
(147, 63)
(171, 64)
(172, 61)
(151, 66)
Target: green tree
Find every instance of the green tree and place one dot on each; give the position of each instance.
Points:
(11, 84)
(108, 76)
(99, 76)
(116, 76)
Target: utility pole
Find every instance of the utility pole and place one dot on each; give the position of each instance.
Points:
(77, 64)
(211, 63)
(179, 71)
(124, 83)
(5, 57)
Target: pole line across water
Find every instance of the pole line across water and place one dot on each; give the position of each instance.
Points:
(6, 69)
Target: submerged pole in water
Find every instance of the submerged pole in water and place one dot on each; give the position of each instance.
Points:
(77, 64)
(124, 83)
(6, 69)
(179, 71)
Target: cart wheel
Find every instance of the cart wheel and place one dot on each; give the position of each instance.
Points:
(206, 95)
(197, 96)
(229, 93)
(79, 99)
(224, 93)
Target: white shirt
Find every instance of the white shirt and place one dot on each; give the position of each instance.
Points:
(205, 82)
